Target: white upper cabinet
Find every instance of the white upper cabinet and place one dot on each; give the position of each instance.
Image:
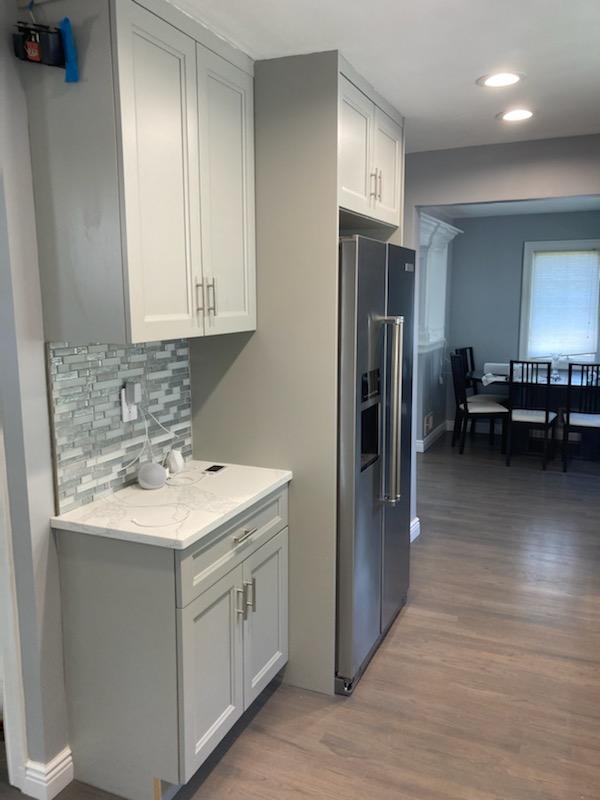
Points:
(356, 126)
(370, 157)
(226, 125)
(144, 179)
(388, 159)
(161, 209)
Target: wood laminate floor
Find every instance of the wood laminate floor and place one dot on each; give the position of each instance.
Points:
(488, 686)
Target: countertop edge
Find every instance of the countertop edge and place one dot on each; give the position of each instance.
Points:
(58, 523)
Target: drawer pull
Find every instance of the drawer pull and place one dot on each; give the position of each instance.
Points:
(245, 535)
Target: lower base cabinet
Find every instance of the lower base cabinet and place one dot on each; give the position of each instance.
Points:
(212, 678)
(265, 630)
(165, 650)
(233, 641)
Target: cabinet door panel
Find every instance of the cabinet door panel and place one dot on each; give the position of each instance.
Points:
(266, 626)
(388, 160)
(226, 129)
(157, 94)
(210, 663)
(356, 181)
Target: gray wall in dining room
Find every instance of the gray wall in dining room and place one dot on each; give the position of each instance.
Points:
(486, 271)
(433, 370)
(431, 394)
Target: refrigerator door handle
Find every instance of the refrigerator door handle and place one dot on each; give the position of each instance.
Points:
(393, 481)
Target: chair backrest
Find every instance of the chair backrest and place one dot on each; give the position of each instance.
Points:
(583, 392)
(459, 380)
(529, 385)
(466, 353)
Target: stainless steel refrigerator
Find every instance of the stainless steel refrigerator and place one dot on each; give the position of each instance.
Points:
(375, 398)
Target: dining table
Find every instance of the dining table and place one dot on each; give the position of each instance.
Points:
(558, 386)
(557, 402)
(559, 381)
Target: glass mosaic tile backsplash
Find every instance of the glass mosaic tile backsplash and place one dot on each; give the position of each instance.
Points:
(92, 446)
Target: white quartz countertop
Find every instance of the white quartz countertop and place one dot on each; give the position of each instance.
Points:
(192, 504)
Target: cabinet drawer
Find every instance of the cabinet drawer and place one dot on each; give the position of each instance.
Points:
(200, 566)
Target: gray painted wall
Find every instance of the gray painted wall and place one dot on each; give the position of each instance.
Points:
(24, 419)
(431, 395)
(486, 271)
(433, 364)
(517, 171)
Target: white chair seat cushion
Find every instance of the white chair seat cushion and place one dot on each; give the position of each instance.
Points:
(584, 420)
(532, 415)
(476, 406)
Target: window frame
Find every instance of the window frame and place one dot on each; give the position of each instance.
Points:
(529, 249)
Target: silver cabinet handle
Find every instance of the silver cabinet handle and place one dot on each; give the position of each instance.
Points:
(250, 591)
(199, 294)
(241, 612)
(245, 535)
(211, 284)
(373, 182)
(380, 184)
(393, 489)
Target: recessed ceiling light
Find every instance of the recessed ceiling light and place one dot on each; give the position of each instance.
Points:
(515, 115)
(499, 79)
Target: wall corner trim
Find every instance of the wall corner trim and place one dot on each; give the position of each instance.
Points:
(45, 781)
(415, 529)
(424, 444)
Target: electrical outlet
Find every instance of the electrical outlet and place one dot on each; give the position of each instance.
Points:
(428, 423)
(131, 395)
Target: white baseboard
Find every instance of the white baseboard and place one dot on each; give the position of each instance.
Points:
(415, 528)
(425, 444)
(45, 781)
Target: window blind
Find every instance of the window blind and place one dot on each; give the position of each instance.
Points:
(563, 312)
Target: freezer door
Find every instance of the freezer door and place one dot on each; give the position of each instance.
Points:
(396, 516)
(362, 304)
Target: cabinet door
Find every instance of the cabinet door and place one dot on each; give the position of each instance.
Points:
(211, 697)
(356, 180)
(266, 625)
(226, 130)
(156, 67)
(388, 162)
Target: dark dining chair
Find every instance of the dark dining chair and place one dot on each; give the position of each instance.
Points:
(471, 407)
(466, 353)
(583, 403)
(529, 402)
(468, 358)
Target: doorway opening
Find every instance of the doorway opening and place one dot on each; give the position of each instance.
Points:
(501, 282)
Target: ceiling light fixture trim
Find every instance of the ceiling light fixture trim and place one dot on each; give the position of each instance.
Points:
(500, 80)
(515, 115)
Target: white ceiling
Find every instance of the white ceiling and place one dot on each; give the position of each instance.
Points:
(424, 57)
(552, 205)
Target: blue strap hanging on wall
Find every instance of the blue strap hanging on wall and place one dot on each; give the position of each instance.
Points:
(70, 50)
